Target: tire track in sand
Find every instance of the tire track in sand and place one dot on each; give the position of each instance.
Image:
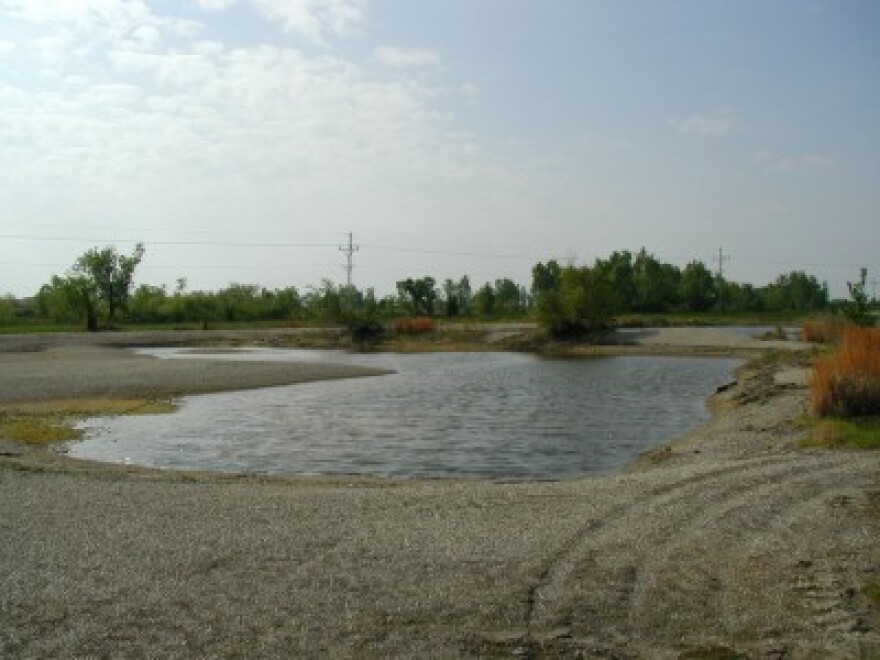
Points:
(602, 566)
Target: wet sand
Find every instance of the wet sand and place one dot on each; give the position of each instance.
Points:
(730, 538)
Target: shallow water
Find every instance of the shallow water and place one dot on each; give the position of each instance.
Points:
(445, 414)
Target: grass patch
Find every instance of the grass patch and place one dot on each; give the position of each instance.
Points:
(872, 593)
(419, 325)
(37, 430)
(49, 422)
(824, 330)
(846, 383)
(834, 433)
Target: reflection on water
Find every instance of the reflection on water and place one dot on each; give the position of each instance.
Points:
(443, 414)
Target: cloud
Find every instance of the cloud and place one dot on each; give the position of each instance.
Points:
(143, 118)
(470, 92)
(216, 5)
(79, 13)
(406, 58)
(316, 20)
(788, 163)
(6, 48)
(716, 123)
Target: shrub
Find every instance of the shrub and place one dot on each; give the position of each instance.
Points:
(823, 331)
(418, 325)
(847, 382)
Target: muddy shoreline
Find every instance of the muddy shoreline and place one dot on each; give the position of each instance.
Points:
(731, 538)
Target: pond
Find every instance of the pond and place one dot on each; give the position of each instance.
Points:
(501, 415)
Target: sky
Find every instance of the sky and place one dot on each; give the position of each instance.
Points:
(243, 140)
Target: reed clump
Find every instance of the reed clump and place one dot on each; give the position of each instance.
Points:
(418, 325)
(822, 330)
(846, 383)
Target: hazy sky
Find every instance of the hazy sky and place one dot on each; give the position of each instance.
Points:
(241, 140)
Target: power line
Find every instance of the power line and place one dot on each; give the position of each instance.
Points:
(77, 239)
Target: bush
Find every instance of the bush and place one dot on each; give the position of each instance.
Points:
(418, 325)
(822, 331)
(847, 382)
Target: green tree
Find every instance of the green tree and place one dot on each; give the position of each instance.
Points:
(698, 290)
(858, 308)
(573, 302)
(69, 299)
(655, 284)
(485, 300)
(418, 295)
(324, 303)
(510, 298)
(148, 304)
(796, 291)
(108, 276)
(457, 297)
(8, 309)
(619, 271)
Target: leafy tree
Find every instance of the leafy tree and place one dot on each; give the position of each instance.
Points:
(697, 287)
(742, 297)
(7, 309)
(655, 284)
(510, 298)
(573, 302)
(485, 300)
(107, 276)
(457, 297)
(149, 304)
(796, 291)
(324, 303)
(858, 309)
(69, 299)
(418, 295)
(619, 271)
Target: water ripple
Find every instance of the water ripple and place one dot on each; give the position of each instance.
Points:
(492, 414)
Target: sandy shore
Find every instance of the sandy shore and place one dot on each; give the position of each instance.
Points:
(731, 538)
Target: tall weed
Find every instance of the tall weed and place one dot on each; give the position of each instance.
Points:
(418, 325)
(846, 383)
(822, 331)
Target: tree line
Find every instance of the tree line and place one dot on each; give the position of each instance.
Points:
(566, 299)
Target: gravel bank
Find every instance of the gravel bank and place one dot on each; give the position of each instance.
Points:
(731, 538)
(97, 371)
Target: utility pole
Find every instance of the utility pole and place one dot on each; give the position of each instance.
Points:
(874, 290)
(349, 251)
(721, 259)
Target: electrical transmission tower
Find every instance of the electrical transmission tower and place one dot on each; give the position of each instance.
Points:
(349, 251)
(721, 259)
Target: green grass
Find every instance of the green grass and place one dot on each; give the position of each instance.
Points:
(834, 433)
(872, 593)
(49, 422)
(37, 328)
(665, 319)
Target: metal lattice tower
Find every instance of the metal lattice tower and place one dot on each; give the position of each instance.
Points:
(349, 251)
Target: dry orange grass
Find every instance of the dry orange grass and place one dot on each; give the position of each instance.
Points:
(846, 383)
(419, 325)
(823, 331)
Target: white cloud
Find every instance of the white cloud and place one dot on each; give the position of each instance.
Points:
(216, 5)
(406, 57)
(716, 123)
(6, 47)
(82, 14)
(315, 20)
(789, 163)
(143, 125)
(210, 122)
(471, 92)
